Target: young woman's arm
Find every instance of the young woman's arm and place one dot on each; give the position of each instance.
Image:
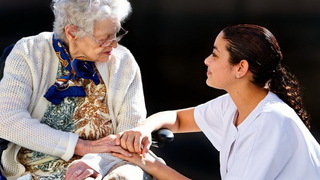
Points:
(138, 140)
(152, 166)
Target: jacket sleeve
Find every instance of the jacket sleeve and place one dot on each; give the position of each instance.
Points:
(133, 108)
(20, 85)
(125, 92)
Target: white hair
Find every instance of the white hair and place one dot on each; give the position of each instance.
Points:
(83, 13)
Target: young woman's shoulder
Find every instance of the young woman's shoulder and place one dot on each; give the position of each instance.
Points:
(277, 115)
(277, 109)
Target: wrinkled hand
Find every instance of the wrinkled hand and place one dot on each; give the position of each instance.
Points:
(104, 145)
(80, 171)
(137, 140)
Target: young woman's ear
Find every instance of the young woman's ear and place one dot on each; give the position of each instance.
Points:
(243, 68)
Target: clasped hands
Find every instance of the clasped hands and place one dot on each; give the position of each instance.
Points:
(123, 145)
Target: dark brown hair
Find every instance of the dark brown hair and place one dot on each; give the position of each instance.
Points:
(260, 48)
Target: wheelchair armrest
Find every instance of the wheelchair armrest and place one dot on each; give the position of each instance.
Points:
(161, 137)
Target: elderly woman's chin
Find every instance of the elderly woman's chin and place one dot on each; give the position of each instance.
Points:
(104, 57)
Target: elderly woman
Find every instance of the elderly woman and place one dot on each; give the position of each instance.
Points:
(64, 94)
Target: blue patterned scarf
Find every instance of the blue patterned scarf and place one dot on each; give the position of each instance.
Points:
(63, 87)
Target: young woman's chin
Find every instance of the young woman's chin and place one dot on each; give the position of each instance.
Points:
(209, 83)
(212, 85)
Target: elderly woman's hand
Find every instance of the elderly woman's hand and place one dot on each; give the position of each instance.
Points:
(80, 171)
(103, 145)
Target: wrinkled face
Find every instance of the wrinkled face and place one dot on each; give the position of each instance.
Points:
(220, 73)
(96, 47)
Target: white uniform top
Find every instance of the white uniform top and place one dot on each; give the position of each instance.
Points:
(271, 143)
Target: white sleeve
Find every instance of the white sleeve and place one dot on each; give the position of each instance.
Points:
(101, 163)
(125, 91)
(132, 110)
(16, 90)
(211, 119)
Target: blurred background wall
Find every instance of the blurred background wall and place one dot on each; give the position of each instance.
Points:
(170, 40)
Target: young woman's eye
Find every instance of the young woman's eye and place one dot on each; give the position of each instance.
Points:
(214, 55)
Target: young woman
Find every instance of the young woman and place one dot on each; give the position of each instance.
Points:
(259, 127)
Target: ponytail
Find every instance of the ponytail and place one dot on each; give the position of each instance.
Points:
(286, 87)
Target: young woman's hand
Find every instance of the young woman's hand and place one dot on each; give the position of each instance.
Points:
(103, 145)
(137, 140)
(151, 165)
(146, 162)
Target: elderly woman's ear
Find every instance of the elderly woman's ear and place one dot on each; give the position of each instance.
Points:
(70, 31)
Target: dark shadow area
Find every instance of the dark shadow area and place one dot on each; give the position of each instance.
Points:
(193, 155)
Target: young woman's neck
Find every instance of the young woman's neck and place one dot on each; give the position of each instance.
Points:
(246, 100)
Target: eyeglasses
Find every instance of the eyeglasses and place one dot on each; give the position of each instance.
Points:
(119, 35)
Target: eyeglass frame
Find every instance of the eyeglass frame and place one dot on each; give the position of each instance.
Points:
(108, 41)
